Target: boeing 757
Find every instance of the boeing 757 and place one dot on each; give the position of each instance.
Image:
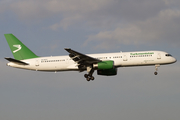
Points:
(105, 64)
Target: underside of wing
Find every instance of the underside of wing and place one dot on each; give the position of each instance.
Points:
(80, 58)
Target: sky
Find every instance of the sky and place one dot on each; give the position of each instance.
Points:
(91, 26)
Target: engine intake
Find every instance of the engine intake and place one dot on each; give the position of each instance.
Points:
(104, 65)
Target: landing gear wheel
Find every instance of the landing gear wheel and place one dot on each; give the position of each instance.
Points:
(86, 75)
(88, 79)
(92, 78)
(155, 73)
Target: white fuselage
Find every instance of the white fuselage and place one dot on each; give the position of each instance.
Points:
(121, 59)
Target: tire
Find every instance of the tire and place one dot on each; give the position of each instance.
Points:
(92, 78)
(155, 73)
(88, 79)
(86, 75)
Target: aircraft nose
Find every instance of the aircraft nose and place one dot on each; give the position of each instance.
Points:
(174, 60)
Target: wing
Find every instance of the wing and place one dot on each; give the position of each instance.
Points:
(81, 59)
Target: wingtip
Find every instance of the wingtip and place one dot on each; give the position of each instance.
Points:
(67, 48)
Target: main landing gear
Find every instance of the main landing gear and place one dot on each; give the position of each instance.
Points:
(89, 76)
(156, 68)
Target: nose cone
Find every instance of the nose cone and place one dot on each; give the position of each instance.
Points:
(174, 60)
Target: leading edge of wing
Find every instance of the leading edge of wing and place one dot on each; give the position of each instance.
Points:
(81, 58)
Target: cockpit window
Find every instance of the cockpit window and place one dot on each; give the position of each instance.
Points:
(168, 55)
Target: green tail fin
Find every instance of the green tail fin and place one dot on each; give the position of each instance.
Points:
(18, 49)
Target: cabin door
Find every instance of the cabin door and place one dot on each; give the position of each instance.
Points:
(37, 63)
(67, 60)
(159, 56)
(124, 58)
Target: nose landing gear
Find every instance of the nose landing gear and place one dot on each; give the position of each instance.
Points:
(155, 73)
(156, 69)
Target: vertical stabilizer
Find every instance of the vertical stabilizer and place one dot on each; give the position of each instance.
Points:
(18, 49)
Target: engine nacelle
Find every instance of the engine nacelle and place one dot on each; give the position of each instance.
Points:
(105, 68)
(108, 72)
(104, 65)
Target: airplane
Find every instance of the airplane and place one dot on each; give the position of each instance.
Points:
(106, 64)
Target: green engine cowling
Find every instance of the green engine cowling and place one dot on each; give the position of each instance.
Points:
(104, 65)
(108, 72)
(105, 68)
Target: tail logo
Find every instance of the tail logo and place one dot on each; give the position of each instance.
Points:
(18, 48)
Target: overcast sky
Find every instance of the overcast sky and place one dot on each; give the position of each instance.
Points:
(91, 26)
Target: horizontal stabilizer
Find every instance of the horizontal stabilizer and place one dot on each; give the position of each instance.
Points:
(16, 61)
